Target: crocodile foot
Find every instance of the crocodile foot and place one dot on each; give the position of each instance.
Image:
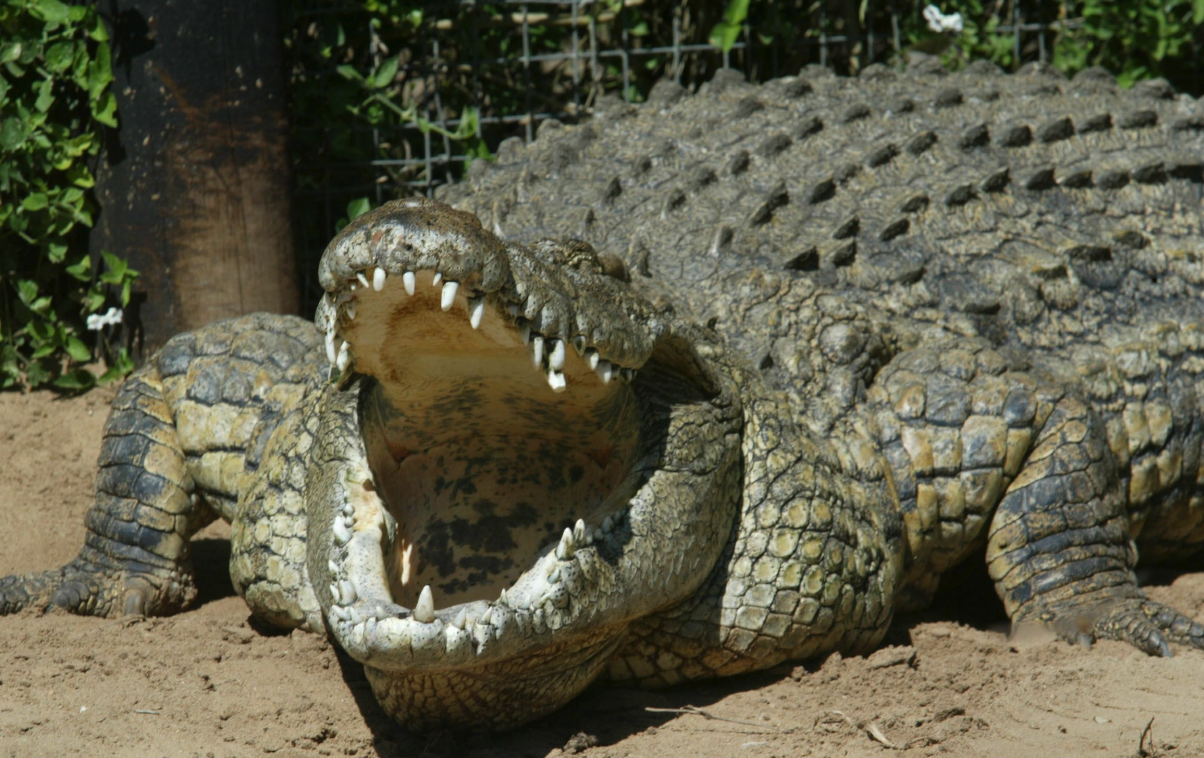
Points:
(1148, 626)
(89, 589)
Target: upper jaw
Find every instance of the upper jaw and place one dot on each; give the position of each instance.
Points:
(556, 307)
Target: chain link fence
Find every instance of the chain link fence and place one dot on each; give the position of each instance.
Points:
(469, 75)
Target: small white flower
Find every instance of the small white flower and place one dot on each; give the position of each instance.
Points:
(939, 22)
(97, 321)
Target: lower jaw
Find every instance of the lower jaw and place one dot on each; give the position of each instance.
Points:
(494, 697)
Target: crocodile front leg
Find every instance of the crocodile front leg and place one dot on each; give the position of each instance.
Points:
(813, 566)
(987, 452)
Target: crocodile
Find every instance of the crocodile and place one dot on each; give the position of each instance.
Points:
(699, 386)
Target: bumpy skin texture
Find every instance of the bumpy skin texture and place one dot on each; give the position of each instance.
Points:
(877, 326)
(992, 282)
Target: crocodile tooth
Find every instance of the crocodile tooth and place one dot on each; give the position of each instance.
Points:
(487, 616)
(334, 567)
(348, 509)
(363, 279)
(554, 577)
(424, 609)
(537, 350)
(407, 280)
(344, 358)
(580, 535)
(566, 548)
(604, 371)
(349, 309)
(593, 357)
(628, 374)
(354, 616)
(608, 524)
(331, 352)
(579, 345)
(342, 535)
(501, 600)
(438, 278)
(338, 612)
(369, 625)
(512, 309)
(524, 332)
(556, 356)
(378, 279)
(476, 312)
(556, 381)
(347, 591)
(334, 593)
(461, 619)
(598, 535)
(357, 632)
(449, 295)
(454, 640)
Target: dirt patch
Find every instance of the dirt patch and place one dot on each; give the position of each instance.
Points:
(210, 682)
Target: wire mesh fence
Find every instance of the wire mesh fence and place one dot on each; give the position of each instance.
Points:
(469, 75)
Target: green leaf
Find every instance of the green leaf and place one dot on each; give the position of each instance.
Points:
(724, 35)
(349, 72)
(58, 57)
(99, 31)
(79, 175)
(45, 95)
(37, 374)
(81, 269)
(77, 380)
(385, 74)
(77, 350)
(358, 207)
(107, 112)
(737, 11)
(27, 290)
(100, 71)
(119, 366)
(10, 51)
(12, 133)
(1197, 12)
(51, 11)
(93, 301)
(35, 202)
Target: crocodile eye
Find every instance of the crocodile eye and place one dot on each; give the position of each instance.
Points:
(614, 267)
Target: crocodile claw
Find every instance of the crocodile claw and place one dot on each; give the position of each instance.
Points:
(1148, 626)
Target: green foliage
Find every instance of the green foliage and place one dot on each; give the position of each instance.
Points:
(356, 208)
(1134, 39)
(54, 99)
(1137, 39)
(725, 33)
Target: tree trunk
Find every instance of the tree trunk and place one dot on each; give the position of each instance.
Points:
(194, 185)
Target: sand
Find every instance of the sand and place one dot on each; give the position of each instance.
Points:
(212, 682)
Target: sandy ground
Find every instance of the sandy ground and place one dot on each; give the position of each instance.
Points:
(210, 682)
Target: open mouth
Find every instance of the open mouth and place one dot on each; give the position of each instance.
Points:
(487, 488)
(489, 443)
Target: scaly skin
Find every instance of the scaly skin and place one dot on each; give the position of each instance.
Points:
(872, 327)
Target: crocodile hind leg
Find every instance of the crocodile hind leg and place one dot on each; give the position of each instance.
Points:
(135, 556)
(1060, 550)
(986, 451)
